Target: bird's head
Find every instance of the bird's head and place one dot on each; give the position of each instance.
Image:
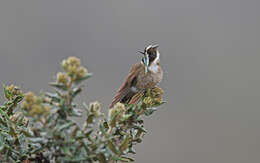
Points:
(151, 54)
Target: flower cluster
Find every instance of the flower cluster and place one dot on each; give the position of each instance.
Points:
(12, 91)
(118, 110)
(95, 109)
(18, 115)
(154, 97)
(62, 78)
(32, 105)
(73, 69)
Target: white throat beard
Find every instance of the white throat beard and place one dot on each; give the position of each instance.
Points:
(154, 66)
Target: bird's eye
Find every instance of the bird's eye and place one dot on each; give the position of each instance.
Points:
(152, 55)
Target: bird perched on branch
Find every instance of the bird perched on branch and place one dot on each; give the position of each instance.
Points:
(142, 76)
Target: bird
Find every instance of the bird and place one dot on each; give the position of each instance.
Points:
(144, 75)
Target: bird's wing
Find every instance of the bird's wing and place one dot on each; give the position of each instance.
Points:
(130, 81)
(137, 97)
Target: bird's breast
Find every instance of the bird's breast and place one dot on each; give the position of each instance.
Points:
(149, 79)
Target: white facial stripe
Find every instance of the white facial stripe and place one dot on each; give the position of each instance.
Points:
(148, 47)
(157, 56)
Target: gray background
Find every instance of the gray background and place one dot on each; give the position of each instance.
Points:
(210, 53)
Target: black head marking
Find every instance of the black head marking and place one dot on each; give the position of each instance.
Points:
(152, 54)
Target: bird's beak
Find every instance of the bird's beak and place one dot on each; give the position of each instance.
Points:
(141, 52)
(146, 60)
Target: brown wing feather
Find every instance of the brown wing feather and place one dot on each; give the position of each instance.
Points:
(126, 86)
(136, 98)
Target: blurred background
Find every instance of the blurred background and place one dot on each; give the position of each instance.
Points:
(210, 52)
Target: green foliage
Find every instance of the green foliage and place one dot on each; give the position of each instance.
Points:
(13, 128)
(52, 134)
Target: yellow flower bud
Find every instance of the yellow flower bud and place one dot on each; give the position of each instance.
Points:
(95, 108)
(47, 110)
(37, 109)
(81, 72)
(30, 97)
(65, 65)
(119, 109)
(148, 101)
(11, 87)
(25, 105)
(12, 91)
(112, 112)
(157, 94)
(33, 106)
(32, 112)
(62, 78)
(15, 116)
(25, 121)
(72, 69)
(74, 61)
(17, 91)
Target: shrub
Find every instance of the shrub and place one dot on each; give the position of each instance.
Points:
(44, 130)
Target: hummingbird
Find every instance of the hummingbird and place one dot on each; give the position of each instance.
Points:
(143, 75)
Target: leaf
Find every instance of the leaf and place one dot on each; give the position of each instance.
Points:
(7, 93)
(127, 159)
(138, 134)
(158, 104)
(86, 147)
(131, 150)
(101, 157)
(27, 133)
(58, 85)
(3, 107)
(112, 147)
(39, 140)
(74, 159)
(51, 118)
(54, 96)
(149, 111)
(2, 121)
(113, 121)
(88, 133)
(140, 128)
(127, 116)
(124, 144)
(3, 113)
(85, 106)
(102, 129)
(90, 118)
(76, 112)
(66, 150)
(88, 75)
(2, 145)
(76, 91)
(18, 99)
(140, 121)
(106, 125)
(66, 125)
(123, 159)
